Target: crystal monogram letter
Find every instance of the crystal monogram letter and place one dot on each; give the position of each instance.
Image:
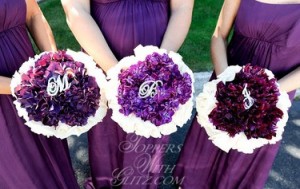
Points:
(58, 84)
(148, 88)
(248, 100)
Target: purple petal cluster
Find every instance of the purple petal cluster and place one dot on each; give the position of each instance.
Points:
(260, 120)
(73, 106)
(175, 90)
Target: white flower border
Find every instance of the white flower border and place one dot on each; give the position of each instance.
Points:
(63, 130)
(206, 102)
(131, 123)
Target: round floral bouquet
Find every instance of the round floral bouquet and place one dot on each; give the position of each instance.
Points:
(150, 93)
(243, 109)
(60, 93)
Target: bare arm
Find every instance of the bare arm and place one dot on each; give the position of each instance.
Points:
(290, 82)
(220, 35)
(4, 85)
(179, 24)
(219, 38)
(39, 27)
(41, 33)
(88, 33)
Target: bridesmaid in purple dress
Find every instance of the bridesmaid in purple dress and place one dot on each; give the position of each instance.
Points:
(27, 160)
(109, 30)
(266, 33)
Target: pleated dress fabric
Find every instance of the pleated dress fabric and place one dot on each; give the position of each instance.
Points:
(27, 160)
(118, 159)
(265, 35)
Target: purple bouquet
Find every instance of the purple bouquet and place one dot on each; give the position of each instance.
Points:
(151, 92)
(58, 94)
(243, 109)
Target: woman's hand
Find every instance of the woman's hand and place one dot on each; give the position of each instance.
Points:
(220, 68)
(290, 82)
(39, 27)
(219, 38)
(87, 32)
(179, 24)
(5, 85)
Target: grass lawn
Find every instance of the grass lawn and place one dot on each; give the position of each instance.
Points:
(195, 50)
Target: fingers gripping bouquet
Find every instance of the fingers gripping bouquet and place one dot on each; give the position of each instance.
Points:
(150, 93)
(60, 93)
(243, 109)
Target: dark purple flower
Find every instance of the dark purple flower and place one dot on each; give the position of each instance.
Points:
(73, 106)
(175, 89)
(260, 120)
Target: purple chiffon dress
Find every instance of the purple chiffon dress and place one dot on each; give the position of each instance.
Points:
(117, 159)
(266, 35)
(27, 160)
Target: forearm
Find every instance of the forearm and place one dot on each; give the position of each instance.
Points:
(89, 36)
(218, 53)
(178, 26)
(221, 33)
(41, 32)
(290, 82)
(5, 85)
